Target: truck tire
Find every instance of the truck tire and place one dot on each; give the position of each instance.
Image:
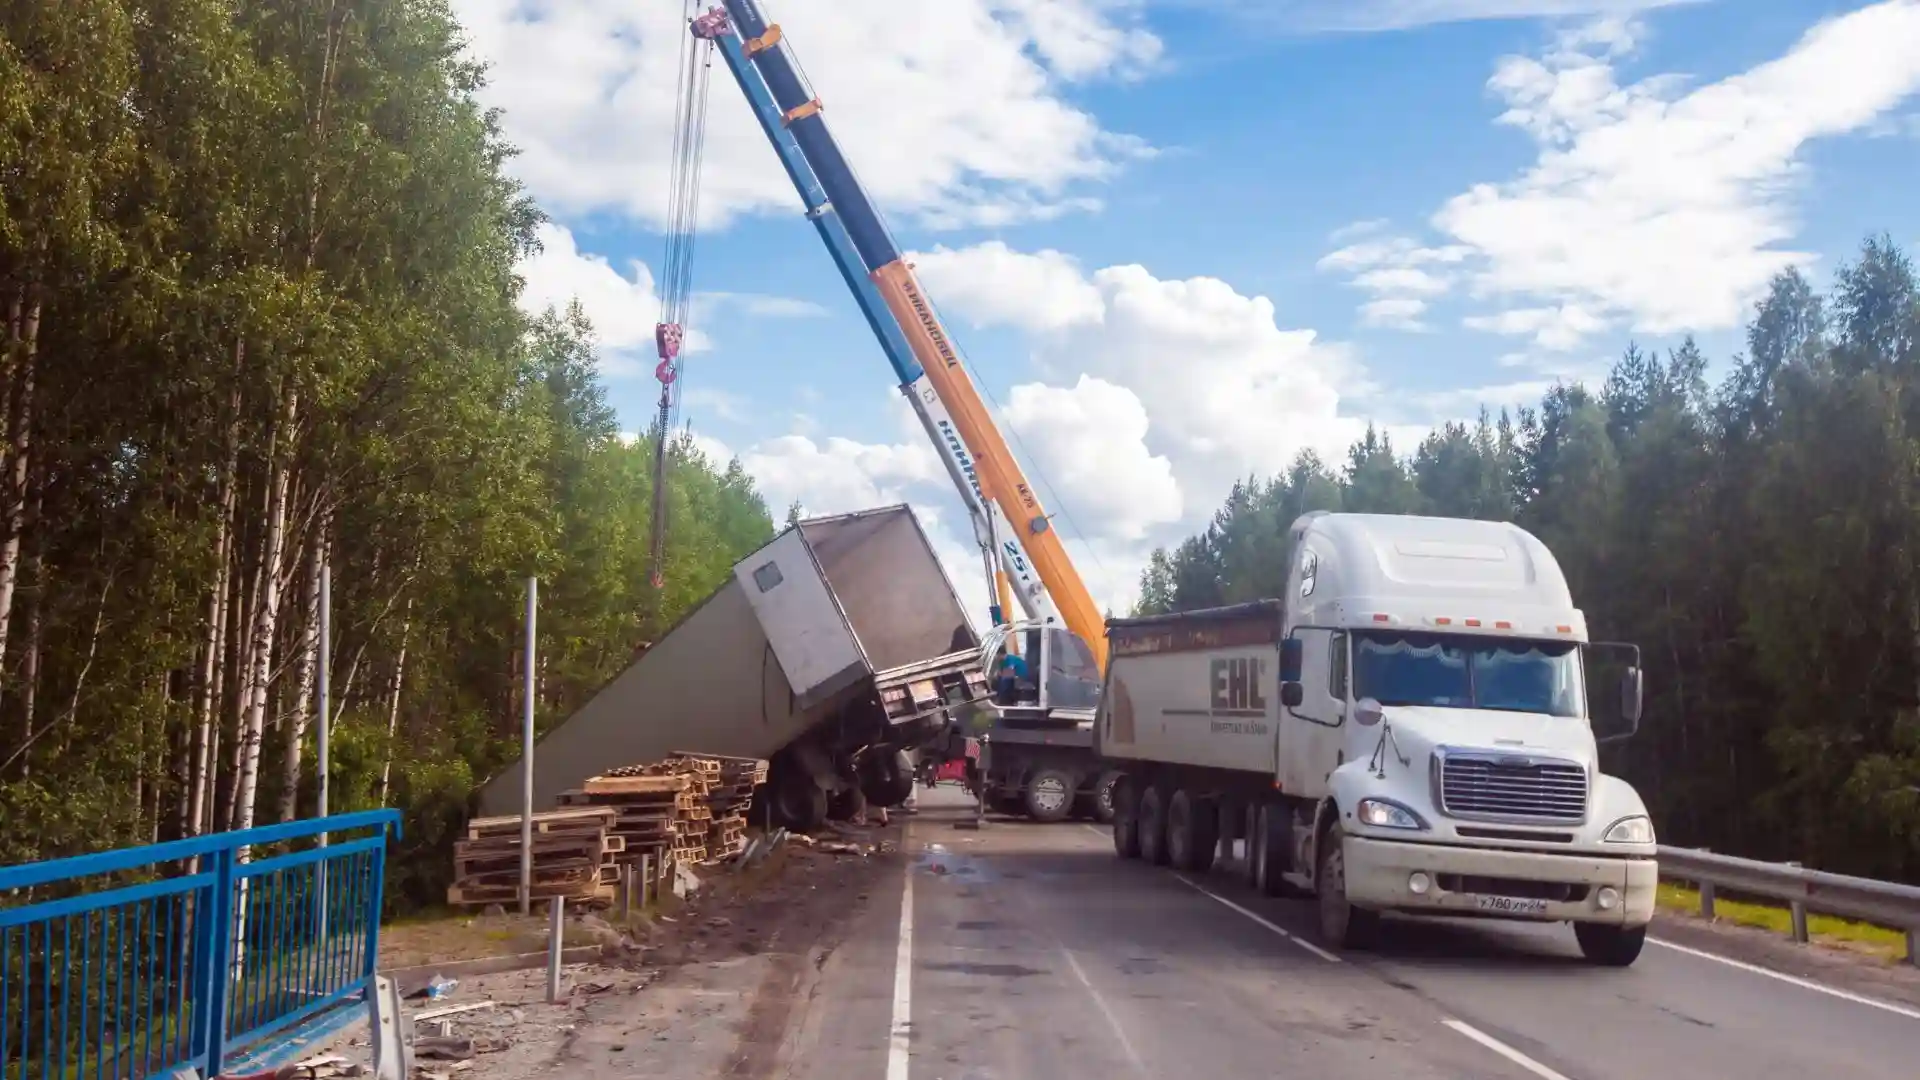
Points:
(1103, 796)
(1250, 866)
(1126, 821)
(1152, 823)
(1049, 795)
(799, 803)
(1610, 946)
(1269, 852)
(1193, 832)
(1342, 926)
(887, 778)
(847, 804)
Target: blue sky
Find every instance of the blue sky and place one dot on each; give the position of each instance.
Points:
(1181, 240)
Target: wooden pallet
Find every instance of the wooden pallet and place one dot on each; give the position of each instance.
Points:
(582, 820)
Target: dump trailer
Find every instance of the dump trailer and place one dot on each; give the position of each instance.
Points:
(832, 651)
(1413, 728)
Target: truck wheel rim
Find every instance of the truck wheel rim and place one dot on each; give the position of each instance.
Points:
(1050, 793)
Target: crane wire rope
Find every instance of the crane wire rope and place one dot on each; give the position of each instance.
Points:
(676, 266)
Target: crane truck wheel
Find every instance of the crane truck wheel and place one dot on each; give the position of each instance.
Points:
(1152, 824)
(1610, 946)
(1126, 822)
(1049, 795)
(1342, 926)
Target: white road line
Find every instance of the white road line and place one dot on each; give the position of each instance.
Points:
(1504, 1050)
(1262, 920)
(1807, 984)
(902, 1033)
(1119, 1033)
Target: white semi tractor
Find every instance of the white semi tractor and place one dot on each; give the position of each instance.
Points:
(1413, 728)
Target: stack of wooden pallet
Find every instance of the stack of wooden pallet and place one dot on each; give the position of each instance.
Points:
(646, 801)
(571, 848)
(728, 795)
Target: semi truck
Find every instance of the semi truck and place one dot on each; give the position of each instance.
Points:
(1413, 727)
(833, 651)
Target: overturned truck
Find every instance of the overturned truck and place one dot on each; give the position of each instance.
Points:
(833, 651)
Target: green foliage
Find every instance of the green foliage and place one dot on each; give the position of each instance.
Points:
(1759, 541)
(260, 253)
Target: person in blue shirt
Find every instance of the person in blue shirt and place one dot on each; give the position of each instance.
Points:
(1012, 669)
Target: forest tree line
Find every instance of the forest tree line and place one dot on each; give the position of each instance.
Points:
(1759, 539)
(261, 315)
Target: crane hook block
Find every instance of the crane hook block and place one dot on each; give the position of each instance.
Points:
(667, 337)
(711, 25)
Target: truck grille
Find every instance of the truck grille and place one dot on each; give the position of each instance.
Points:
(1511, 787)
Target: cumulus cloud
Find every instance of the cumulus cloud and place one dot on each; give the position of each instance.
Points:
(624, 308)
(1154, 396)
(589, 91)
(1653, 205)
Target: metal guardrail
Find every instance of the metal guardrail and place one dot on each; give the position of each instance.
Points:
(135, 962)
(1882, 903)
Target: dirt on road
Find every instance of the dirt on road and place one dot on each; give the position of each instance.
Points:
(689, 990)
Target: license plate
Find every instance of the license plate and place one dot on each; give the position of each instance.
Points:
(1514, 905)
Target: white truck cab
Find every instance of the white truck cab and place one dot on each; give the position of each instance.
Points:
(1434, 723)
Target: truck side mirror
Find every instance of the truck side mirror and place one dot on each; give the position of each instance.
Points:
(1291, 695)
(1291, 652)
(1632, 697)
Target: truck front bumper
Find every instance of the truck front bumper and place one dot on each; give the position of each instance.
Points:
(1436, 879)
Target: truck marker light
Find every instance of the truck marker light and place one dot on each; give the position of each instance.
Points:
(1382, 617)
(1443, 621)
(1564, 629)
(1473, 622)
(1503, 625)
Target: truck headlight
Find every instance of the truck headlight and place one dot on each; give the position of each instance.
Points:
(1387, 814)
(1633, 830)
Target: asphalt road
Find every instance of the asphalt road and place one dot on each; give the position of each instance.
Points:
(1032, 953)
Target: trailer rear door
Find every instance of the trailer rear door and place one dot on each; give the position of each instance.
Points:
(802, 619)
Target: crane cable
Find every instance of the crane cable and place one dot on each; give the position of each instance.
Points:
(676, 267)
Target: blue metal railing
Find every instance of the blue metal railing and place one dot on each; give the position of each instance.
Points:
(132, 963)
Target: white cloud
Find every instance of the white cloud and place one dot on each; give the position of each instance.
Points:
(1384, 15)
(1155, 396)
(624, 308)
(1652, 205)
(1090, 439)
(992, 284)
(709, 304)
(589, 92)
(1394, 313)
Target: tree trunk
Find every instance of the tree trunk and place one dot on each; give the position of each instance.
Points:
(304, 679)
(36, 632)
(266, 614)
(393, 699)
(23, 339)
(213, 660)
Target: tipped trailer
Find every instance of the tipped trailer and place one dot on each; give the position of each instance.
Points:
(833, 651)
(1414, 728)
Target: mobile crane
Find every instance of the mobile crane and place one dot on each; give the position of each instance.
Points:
(1038, 751)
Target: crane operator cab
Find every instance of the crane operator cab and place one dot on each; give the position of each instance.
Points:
(1039, 669)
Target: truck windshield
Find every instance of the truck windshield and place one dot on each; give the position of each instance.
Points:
(1468, 673)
